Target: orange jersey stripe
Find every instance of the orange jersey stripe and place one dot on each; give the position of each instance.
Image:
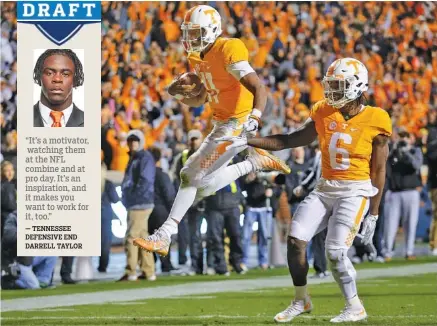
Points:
(360, 212)
(354, 229)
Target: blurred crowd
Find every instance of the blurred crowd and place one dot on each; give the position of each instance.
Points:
(8, 83)
(290, 45)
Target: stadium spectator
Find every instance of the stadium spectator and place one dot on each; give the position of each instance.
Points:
(283, 212)
(275, 34)
(299, 166)
(138, 198)
(258, 209)
(31, 272)
(109, 196)
(67, 270)
(8, 191)
(402, 197)
(431, 156)
(107, 126)
(8, 79)
(157, 34)
(9, 148)
(119, 149)
(223, 215)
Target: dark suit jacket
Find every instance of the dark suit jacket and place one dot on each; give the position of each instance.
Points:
(76, 117)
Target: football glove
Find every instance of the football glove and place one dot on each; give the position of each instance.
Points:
(368, 229)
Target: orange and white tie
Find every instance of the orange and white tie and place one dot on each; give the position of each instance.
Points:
(56, 116)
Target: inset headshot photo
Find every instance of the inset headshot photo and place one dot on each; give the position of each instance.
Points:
(58, 91)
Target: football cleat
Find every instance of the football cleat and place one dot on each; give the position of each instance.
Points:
(263, 160)
(349, 314)
(296, 308)
(158, 242)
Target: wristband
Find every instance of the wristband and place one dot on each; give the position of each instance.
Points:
(257, 113)
(254, 117)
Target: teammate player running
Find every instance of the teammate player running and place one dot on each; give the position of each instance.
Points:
(236, 97)
(353, 139)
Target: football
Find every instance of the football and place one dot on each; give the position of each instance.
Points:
(188, 85)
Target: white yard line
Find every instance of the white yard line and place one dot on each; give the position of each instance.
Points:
(189, 297)
(194, 317)
(198, 288)
(372, 316)
(125, 317)
(55, 309)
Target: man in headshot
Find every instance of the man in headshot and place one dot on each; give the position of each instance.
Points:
(57, 71)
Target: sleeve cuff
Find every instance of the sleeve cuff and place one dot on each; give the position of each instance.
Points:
(239, 69)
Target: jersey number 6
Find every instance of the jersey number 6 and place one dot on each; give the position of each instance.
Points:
(339, 157)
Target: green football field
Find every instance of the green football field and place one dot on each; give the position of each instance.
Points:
(406, 300)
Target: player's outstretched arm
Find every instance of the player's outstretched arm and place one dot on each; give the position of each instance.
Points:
(377, 170)
(303, 136)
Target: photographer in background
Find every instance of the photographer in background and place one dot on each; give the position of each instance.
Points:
(431, 154)
(164, 197)
(403, 195)
(223, 213)
(23, 272)
(299, 166)
(258, 209)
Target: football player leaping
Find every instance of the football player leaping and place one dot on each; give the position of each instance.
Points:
(353, 138)
(237, 99)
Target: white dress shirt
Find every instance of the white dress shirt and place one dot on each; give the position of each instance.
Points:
(47, 119)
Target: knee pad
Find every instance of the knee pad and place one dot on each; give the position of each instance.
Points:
(336, 254)
(341, 265)
(187, 176)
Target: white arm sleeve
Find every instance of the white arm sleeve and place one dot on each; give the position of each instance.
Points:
(239, 69)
